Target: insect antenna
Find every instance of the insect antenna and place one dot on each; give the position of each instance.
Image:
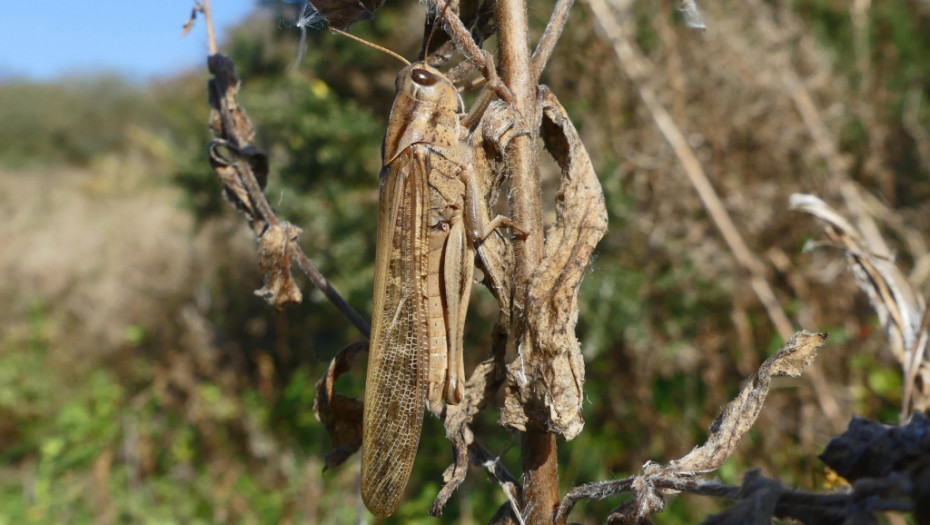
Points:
(369, 44)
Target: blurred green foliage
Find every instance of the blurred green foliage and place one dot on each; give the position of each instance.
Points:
(68, 122)
(85, 440)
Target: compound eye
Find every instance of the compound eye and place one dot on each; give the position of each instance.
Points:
(423, 77)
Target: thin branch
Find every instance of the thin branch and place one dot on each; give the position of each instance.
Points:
(303, 262)
(257, 196)
(727, 430)
(537, 446)
(499, 473)
(321, 282)
(916, 357)
(463, 39)
(235, 134)
(551, 36)
(208, 20)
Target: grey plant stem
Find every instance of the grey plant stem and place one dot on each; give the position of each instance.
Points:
(208, 21)
(537, 447)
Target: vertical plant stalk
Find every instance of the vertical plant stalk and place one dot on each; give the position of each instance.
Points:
(243, 169)
(208, 21)
(537, 446)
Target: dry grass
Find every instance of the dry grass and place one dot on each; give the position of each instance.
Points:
(110, 249)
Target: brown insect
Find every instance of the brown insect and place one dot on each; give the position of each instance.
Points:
(429, 223)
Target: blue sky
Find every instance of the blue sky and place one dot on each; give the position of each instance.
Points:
(44, 40)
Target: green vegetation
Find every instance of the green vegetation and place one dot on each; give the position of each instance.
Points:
(199, 409)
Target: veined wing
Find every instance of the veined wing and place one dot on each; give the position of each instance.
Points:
(395, 387)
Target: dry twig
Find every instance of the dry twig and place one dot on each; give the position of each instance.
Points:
(900, 308)
(656, 481)
(243, 169)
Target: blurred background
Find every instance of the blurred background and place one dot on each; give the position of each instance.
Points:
(141, 381)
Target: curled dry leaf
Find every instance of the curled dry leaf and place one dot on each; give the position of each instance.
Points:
(900, 309)
(341, 415)
(186, 28)
(869, 449)
(741, 413)
(656, 481)
(274, 259)
(544, 385)
(233, 154)
(487, 146)
(759, 500)
(479, 390)
(460, 436)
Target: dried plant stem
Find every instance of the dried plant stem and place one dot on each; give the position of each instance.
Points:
(541, 55)
(538, 449)
(637, 69)
(499, 473)
(915, 357)
(208, 21)
(789, 503)
(321, 282)
(540, 476)
(481, 58)
(257, 196)
(728, 429)
(235, 134)
(226, 78)
(551, 35)
(824, 141)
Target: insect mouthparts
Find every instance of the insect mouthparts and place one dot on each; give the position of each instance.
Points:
(423, 77)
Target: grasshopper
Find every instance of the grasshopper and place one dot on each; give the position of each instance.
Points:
(430, 221)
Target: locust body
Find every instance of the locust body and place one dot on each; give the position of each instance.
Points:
(424, 261)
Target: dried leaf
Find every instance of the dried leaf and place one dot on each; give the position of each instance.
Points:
(656, 481)
(274, 259)
(232, 153)
(341, 415)
(920, 493)
(692, 15)
(479, 390)
(228, 120)
(186, 28)
(900, 309)
(871, 450)
(496, 252)
(740, 414)
(544, 384)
